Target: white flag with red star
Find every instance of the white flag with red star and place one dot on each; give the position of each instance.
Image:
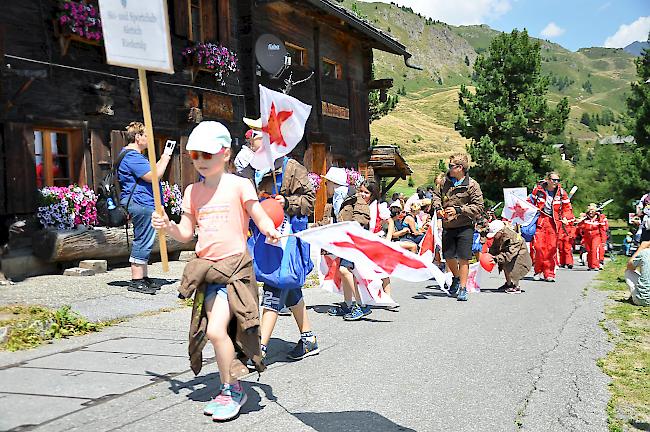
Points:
(518, 211)
(368, 281)
(474, 278)
(283, 126)
(348, 240)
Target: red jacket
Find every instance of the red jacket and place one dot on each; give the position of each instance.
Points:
(561, 203)
(604, 226)
(590, 227)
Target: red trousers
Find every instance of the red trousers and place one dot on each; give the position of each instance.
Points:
(565, 250)
(592, 244)
(545, 246)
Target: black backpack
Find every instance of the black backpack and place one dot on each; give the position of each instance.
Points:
(109, 188)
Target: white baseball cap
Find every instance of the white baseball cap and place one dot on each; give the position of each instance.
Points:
(396, 203)
(209, 137)
(494, 227)
(337, 175)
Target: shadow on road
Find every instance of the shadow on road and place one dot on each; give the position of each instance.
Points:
(349, 420)
(160, 282)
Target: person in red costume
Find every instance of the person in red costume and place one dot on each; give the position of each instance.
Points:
(565, 240)
(555, 211)
(589, 226)
(604, 227)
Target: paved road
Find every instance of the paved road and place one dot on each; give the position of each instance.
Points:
(497, 363)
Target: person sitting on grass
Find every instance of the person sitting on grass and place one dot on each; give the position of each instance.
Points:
(637, 275)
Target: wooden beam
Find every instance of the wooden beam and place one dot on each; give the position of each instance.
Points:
(378, 84)
(390, 185)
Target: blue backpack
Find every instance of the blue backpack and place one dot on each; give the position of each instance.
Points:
(528, 231)
(281, 267)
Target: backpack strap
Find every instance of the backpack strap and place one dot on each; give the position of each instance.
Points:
(280, 178)
(116, 167)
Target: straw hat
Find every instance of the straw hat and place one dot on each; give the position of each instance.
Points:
(255, 124)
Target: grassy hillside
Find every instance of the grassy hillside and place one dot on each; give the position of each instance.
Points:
(422, 123)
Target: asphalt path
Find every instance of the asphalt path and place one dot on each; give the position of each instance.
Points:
(500, 362)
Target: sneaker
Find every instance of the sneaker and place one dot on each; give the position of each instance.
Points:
(140, 286)
(455, 285)
(152, 284)
(537, 277)
(354, 314)
(504, 287)
(562, 266)
(550, 279)
(366, 309)
(462, 295)
(570, 266)
(512, 289)
(251, 366)
(304, 348)
(285, 311)
(227, 404)
(339, 310)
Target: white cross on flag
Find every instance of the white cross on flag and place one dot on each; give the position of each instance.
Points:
(370, 285)
(283, 126)
(518, 211)
(348, 240)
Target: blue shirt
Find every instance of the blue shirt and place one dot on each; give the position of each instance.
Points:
(133, 167)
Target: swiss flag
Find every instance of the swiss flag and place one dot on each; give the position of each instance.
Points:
(283, 126)
(474, 277)
(348, 240)
(518, 211)
(368, 281)
(431, 239)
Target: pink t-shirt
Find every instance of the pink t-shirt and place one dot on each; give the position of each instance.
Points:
(220, 215)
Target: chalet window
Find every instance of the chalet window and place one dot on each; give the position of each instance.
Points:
(298, 54)
(202, 20)
(54, 155)
(196, 24)
(332, 69)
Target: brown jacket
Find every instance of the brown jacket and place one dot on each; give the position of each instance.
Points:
(467, 198)
(353, 208)
(237, 273)
(296, 188)
(510, 252)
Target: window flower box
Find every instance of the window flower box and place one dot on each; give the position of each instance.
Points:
(77, 21)
(212, 58)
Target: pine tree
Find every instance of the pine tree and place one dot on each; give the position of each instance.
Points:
(508, 117)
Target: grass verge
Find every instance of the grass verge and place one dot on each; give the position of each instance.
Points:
(28, 326)
(628, 363)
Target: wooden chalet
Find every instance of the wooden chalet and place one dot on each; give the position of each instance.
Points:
(63, 110)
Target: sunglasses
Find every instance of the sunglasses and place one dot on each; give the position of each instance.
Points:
(452, 166)
(555, 180)
(195, 155)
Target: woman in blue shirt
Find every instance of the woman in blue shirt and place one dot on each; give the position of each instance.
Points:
(134, 174)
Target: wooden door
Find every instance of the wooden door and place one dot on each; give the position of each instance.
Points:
(319, 165)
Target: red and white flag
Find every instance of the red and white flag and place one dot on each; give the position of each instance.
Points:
(369, 282)
(431, 239)
(518, 211)
(283, 126)
(474, 278)
(348, 240)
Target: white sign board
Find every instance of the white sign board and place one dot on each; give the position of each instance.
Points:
(520, 192)
(136, 34)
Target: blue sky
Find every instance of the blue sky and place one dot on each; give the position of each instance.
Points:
(571, 23)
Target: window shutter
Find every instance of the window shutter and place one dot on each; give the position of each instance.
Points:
(223, 15)
(209, 10)
(22, 194)
(182, 18)
(118, 141)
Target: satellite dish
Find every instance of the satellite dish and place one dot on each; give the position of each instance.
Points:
(270, 53)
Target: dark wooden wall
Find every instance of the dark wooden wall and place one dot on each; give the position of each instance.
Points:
(64, 91)
(44, 94)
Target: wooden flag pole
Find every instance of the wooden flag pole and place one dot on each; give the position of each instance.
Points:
(146, 112)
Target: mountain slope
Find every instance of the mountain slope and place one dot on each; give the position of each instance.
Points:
(593, 79)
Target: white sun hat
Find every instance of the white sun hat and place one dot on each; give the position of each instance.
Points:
(209, 137)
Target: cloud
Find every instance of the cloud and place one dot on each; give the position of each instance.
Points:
(628, 33)
(552, 30)
(465, 12)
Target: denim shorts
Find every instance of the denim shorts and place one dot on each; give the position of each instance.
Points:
(347, 264)
(275, 298)
(144, 235)
(216, 290)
